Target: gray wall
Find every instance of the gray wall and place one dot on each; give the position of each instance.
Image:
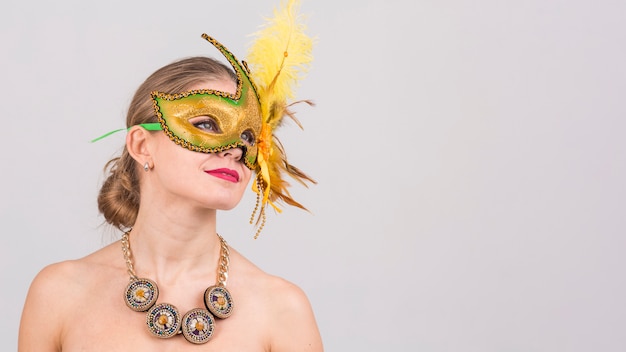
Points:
(470, 157)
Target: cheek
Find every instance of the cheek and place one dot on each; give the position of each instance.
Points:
(165, 151)
(245, 175)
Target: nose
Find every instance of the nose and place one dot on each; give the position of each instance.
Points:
(235, 153)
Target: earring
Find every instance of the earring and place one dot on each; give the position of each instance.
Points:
(146, 167)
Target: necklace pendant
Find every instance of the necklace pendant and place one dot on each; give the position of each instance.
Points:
(219, 301)
(198, 326)
(163, 320)
(141, 294)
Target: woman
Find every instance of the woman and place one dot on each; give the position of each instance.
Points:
(187, 290)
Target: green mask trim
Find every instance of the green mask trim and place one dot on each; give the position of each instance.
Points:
(151, 126)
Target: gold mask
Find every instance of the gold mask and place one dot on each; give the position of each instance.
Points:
(233, 120)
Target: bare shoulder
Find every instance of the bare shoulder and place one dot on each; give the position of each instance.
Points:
(287, 297)
(286, 307)
(294, 317)
(52, 295)
(60, 276)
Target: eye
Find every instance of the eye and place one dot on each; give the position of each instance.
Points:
(206, 123)
(248, 137)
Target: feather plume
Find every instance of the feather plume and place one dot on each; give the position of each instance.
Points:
(279, 57)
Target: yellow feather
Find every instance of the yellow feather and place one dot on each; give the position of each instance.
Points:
(279, 57)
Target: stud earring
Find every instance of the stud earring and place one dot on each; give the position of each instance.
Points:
(146, 167)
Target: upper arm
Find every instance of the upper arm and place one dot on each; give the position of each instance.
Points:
(296, 326)
(42, 317)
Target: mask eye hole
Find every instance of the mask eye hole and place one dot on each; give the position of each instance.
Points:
(206, 124)
(248, 137)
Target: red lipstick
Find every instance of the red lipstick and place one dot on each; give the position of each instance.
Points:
(224, 174)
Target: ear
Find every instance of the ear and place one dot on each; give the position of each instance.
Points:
(138, 141)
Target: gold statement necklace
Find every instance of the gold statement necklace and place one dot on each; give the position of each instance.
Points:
(163, 319)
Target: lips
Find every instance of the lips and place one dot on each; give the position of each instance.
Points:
(224, 174)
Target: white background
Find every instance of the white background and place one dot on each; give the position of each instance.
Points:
(470, 157)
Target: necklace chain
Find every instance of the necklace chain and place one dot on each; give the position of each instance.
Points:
(222, 268)
(128, 256)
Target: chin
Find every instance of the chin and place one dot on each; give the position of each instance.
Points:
(226, 208)
(226, 205)
(219, 200)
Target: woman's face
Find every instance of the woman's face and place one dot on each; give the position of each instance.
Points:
(212, 180)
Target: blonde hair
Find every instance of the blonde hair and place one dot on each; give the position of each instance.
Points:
(119, 195)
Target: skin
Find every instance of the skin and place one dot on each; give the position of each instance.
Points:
(78, 305)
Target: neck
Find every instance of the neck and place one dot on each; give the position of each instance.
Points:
(174, 245)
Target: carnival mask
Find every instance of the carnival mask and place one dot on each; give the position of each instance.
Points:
(211, 121)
